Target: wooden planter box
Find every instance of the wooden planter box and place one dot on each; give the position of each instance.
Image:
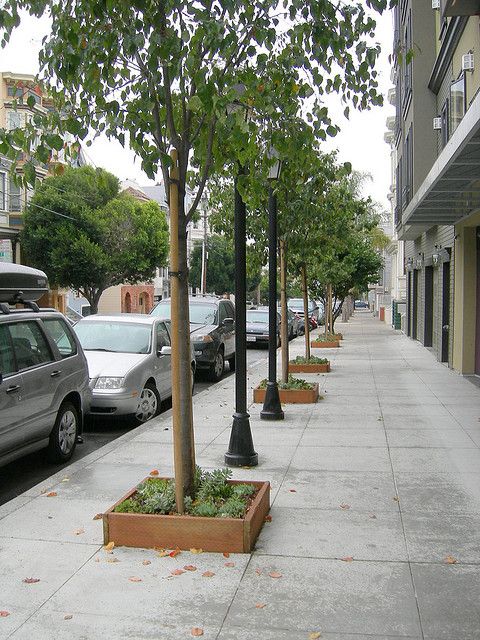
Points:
(232, 535)
(290, 396)
(337, 336)
(318, 344)
(308, 367)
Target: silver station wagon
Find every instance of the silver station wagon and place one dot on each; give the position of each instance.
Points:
(43, 372)
(129, 363)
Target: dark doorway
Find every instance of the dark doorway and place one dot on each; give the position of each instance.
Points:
(414, 304)
(445, 310)
(409, 303)
(428, 324)
(477, 332)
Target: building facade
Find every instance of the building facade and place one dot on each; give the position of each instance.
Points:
(437, 150)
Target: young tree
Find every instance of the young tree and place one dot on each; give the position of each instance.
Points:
(88, 237)
(159, 75)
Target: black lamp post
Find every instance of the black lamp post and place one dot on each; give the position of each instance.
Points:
(240, 451)
(272, 409)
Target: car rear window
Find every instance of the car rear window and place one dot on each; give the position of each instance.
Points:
(62, 337)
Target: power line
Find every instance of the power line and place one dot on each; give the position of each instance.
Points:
(34, 204)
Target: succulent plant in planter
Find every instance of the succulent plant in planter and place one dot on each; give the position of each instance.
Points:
(224, 514)
(309, 365)
(295, 390)
(311, 360)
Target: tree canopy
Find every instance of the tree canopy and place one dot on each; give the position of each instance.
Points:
(88, 236)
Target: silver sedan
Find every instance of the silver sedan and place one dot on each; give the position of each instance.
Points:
(129, 363)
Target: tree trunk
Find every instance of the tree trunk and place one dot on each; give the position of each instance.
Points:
(183, 440)
(303, 271)
(283, 303)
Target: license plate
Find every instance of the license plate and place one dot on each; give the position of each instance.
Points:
(251, 338)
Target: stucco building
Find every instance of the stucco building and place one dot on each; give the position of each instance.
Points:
(437, 197)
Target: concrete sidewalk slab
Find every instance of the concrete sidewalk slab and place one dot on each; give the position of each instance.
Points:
(373, 488)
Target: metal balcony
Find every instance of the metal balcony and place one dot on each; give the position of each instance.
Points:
(453, 8)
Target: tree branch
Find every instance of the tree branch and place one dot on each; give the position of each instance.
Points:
(206, 169)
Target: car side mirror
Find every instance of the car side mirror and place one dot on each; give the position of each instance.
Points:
(228, 322)
(165, 351)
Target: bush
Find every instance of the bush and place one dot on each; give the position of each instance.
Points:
(311, 360)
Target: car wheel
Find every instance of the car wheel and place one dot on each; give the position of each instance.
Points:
(216, 370)
(148, 403)
(63, 437)
(231, 363)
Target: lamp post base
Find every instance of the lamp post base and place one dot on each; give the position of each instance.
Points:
(240, 449)
(272, 409)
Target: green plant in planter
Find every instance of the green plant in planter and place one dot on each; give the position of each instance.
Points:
(311, 360)
(214, 496)
(326, 338)
(293, 383)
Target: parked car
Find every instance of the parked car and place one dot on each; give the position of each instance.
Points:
(296, 306)
(43, 371)
(293, 323)
(257, 326)
(129, 362)
(361, 304)
(212, 332)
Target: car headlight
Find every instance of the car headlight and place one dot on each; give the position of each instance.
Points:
(108, 383)
(205, 338)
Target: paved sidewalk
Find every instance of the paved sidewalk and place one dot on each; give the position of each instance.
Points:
(375, 517)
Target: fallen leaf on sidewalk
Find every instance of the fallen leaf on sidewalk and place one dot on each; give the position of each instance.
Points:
(344, 506)
(51, 494)
(174, 553)
(347, 559)
(258, 572)
(97, 516)
(65, 479)
(314, 635)
(161, 553)
(208, 574)
(31, 580)
(396, 498)
(226, 554)
(109, 547)
(177, 572)
(450, 560)
(229, 564)
(196, 550)
(260, 605)
(146, 562)
(154, 472)
(190, 567)
(196, 631)
(112, 560)
(68, 616)
(275, 574)
(372, 516)
(4, 614)
(78, 532)
(268, 518)
(135, 579)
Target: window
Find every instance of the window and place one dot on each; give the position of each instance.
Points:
(457, 102)
(3, 198)
(7, 360)
(61, 336)
(445, 124)
(163, 339)
(222, 312)
(407, 63)
(407, 170)
(15, 92)
(15, 120)
(30, 345)
(15, 199)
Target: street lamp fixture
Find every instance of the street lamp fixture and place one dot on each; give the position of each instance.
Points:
(240, 451)
(272, 409)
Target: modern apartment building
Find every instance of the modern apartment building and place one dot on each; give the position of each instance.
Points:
(437, 195)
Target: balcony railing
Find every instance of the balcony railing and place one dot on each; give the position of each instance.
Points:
(461, 8)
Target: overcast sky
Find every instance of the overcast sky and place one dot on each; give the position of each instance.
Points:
(359, 142)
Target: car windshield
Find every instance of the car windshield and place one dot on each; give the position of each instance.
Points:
(257, 316)
(112, 336)
(199, 313)
(297, 304)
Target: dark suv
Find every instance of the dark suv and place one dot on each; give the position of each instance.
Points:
(43, 371)
(212, 331)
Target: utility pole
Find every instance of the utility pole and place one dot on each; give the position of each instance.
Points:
(203, 286)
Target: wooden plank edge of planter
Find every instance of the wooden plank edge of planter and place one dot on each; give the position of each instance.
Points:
(290, 396)
(235, 535)
(319, 344)
(308, 367)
